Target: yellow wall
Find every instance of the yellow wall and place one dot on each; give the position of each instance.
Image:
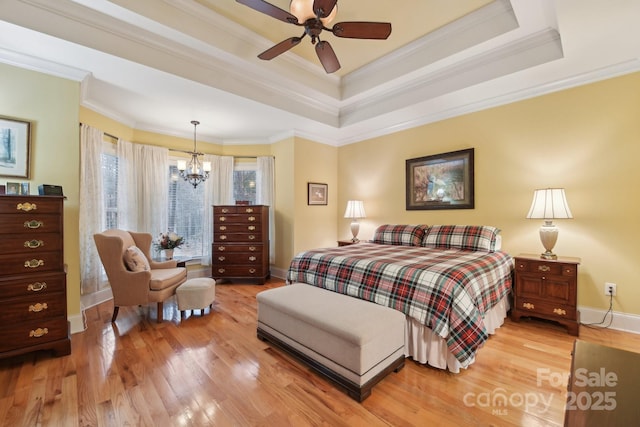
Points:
(51, 105)
(584, 139)
(315, 225)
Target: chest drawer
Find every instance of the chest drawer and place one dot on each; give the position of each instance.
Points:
(33, 333)
(237, 247)
(34, 307)
(31, 205)
(32, 284)
(238, 258)
(31, 243)
(30, 263)
(31, 224)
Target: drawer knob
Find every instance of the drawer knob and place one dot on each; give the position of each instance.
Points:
(251, 218)
(223, 228)
(26, 207)
(252, 258)
(252, 270)
(221, 258)
(251, 227)
(221, 248)
(223, 237)
(528, 306)
(37, 333)
(221, 270)
(252, 237)
(33, 224)
(33, 244)
(36, 287)
(225, 210)
(35, 308)
(223, 219)
(249, 210)
(252, 248)
(34, 263)
(544, 268)
(559, 311)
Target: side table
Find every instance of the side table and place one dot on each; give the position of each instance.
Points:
(547, 289)
(347, 242)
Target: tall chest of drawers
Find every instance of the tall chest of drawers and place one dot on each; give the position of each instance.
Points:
(33, 296)
(240, 242)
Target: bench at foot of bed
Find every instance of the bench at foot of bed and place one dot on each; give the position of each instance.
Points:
(352, 342)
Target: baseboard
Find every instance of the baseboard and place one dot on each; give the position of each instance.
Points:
(77, 323)
(279, 273)
(621, 321)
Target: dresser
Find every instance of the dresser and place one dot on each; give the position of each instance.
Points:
(240, 242)
(33, 296)
(547, 289)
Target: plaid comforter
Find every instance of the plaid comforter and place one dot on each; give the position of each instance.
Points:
(446, 290)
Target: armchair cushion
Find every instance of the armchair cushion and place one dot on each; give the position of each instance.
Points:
(135, 260)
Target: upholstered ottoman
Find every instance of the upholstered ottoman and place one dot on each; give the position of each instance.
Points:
(352, 342)
(196, 294)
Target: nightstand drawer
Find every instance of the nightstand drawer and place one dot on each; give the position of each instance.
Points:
(545, 308)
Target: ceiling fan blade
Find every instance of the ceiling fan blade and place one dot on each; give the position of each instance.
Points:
(322, 8)
(269, 9)
(327, 56)
(280, 48)
(362, 30)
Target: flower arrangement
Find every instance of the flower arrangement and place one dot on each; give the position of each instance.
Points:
(169, 240)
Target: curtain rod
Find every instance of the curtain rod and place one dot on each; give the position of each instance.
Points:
(188, 152)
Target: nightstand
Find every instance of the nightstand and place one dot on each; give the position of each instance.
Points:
(547, 289)
(347, 242)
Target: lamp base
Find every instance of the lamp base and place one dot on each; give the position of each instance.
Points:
(548, 237)
(548, 255)
(355, 228)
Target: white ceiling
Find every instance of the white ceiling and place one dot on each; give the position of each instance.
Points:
(156, 65)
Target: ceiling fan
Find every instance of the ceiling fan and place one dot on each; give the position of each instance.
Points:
(314, 18)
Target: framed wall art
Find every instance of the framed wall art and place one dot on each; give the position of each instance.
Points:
(441, 181)
(317, 193)
(15, 145)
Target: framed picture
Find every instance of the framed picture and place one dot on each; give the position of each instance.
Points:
(15, 141)
(441, 181)
(13, 188)
(317, 193)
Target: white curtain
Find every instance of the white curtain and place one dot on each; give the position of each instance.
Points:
(91, 212)
(143, 170)
(218, 190)
(265, 195)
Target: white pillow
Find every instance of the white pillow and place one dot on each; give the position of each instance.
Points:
(135, 259)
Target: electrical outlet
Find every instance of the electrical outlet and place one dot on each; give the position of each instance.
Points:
(610, 289)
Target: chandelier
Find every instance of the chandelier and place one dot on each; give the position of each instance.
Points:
(195, 171)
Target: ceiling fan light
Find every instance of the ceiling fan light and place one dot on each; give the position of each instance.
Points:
(303, 10)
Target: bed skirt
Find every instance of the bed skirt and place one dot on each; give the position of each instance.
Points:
(426, 347)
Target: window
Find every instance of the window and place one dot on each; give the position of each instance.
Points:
(244, 180)
(186, 210)
(187, 213)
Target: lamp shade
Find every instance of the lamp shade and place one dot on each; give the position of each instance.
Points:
(549, 203)
(355, 209)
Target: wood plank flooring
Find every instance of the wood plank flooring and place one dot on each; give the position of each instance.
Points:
(212, 370)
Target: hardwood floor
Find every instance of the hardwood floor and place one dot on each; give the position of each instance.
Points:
(212, 370)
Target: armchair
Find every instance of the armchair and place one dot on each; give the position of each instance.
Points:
(153, 283)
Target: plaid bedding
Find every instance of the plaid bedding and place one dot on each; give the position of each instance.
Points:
(446, 290)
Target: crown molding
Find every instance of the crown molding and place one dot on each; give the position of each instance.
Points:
(40, 65)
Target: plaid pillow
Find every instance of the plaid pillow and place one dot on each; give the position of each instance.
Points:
(403, 235)
(468, 237)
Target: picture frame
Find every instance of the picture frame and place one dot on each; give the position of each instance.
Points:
(15, 146)
(13, 188)
(441, 181)
(317, 193)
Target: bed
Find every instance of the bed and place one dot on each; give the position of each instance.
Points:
(451, 281)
